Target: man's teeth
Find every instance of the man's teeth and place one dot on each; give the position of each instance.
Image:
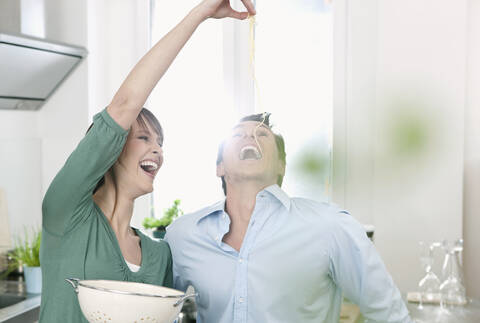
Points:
(250, 152)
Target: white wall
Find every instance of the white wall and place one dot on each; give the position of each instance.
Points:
(20, 145)
(63, 120)
(118, 36)
(405, 76)
(471, 219)
(34, 145)
(421, 77)
(20, 169)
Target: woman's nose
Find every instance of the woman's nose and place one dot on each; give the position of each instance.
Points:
(157, 149)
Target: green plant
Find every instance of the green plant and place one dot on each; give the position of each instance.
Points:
(151, 223)
(26, 252)
(168, 216)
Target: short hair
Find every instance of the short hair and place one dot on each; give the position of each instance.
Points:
(144, 117)
(264, 118)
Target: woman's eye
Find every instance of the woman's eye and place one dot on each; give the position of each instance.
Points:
(237, 135)
(143, 138)
(262, 134)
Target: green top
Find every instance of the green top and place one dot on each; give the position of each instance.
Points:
(77, 240)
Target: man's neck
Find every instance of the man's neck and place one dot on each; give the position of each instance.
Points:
(241, 198)
(239, 205)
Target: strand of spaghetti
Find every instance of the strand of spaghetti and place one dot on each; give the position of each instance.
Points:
(264, 114)
(251, 20)
(252, 24)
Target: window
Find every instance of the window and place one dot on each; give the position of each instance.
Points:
(294, 69)
(191, 105)
(210, 85)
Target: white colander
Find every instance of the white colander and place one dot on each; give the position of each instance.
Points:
(110, 301)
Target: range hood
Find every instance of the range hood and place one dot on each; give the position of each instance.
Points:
(31, 69)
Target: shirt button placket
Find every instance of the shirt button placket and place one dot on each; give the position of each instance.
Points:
(241, 283)
(241, 290)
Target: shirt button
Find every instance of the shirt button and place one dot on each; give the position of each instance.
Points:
(217, 238)
(240, 300)
(240, 260)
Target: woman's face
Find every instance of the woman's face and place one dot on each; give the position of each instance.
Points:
(140, 160)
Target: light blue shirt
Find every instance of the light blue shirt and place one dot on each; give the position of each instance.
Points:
(297, 258)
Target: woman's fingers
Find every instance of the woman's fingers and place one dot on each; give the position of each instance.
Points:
(250, 7)
(221, 9)
(238, 15)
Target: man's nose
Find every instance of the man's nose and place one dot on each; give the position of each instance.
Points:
(249, 134)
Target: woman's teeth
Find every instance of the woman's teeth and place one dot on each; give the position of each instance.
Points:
(250, 152)
(149, 166)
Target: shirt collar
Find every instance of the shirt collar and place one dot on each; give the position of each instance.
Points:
(218, 207)
(274, 190)
(279, 194)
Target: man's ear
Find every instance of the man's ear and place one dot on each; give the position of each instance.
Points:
(220, 170)
(282, 169)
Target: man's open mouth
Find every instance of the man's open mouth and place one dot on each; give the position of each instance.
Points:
(149, 166)
(250, 153)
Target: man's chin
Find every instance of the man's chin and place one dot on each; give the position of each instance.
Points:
(256, 177)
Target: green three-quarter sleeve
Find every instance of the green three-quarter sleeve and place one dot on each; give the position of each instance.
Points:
(75, 182)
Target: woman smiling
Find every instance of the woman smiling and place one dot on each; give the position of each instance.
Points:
(89, 205)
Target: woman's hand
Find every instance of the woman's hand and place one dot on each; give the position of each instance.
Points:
(134, 91)
(221, 9)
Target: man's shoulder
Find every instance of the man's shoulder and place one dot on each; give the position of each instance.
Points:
(327, 217)
(317, 211)
(316, 207)
(188, 222)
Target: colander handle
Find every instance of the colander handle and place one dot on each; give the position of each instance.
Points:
(74, 283)
(181, 300)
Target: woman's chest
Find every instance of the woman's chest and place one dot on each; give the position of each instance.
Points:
(103, 260)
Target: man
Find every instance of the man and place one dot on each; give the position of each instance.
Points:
(261, 256)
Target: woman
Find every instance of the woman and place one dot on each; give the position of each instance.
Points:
(89, 205)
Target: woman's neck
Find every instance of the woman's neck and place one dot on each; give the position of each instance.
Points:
(117, 208)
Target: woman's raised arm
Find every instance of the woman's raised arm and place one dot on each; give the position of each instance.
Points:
(134, 91)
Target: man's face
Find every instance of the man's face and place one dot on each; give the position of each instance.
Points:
(245, 159)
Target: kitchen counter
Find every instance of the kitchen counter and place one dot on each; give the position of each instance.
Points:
(469, 313)
(25, 311)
